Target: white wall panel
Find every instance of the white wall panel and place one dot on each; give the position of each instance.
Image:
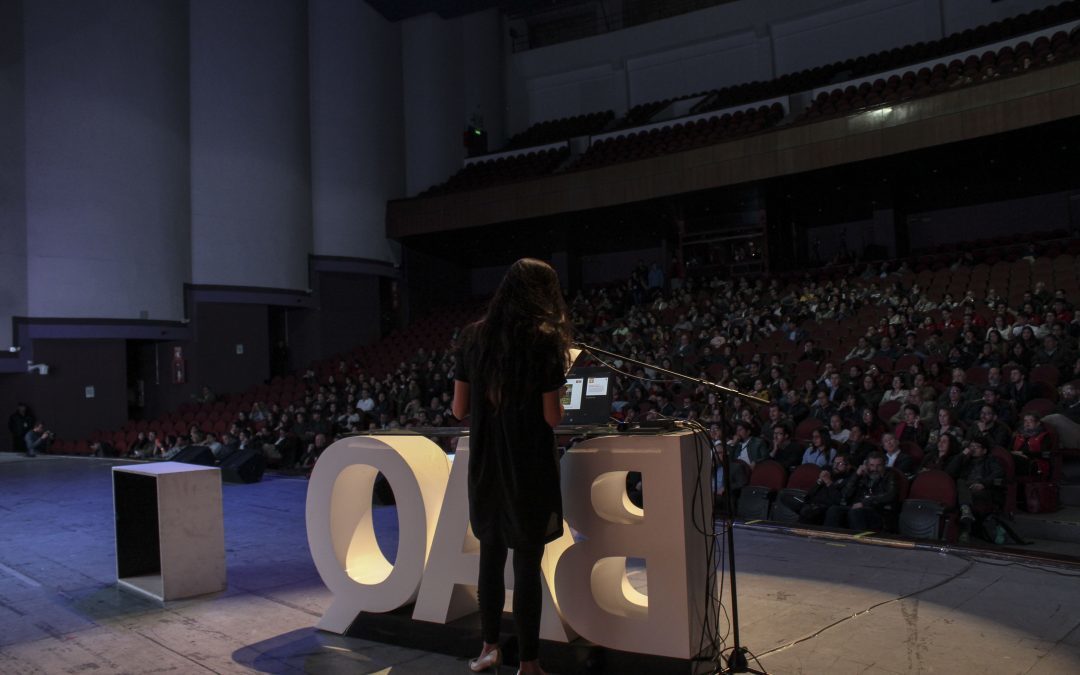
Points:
(959, 15)
(106, 158)
(731, 59)
(853, 29)
(356, 127)
(433, 91)
(589, 89)
(250, 143)
(451, 69)
(703, 37)
(483, 58)
(12, 172)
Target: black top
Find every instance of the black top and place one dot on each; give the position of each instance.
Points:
(513, 460)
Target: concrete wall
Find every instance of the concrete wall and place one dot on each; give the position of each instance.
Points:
(154, 362)
(230, 352)
(482, 65)
(348, 312)
(106, 158)
(1040, 213)
(433, 282)
(12, 171)
(851, 30)
(148, 145)
(250, 154)
(603, 268)
(356, 127)
(959, 15)
(719, 46)
(144, 145)
(451, 69)
(855, 236)
(645, 63)
(589, 270)
(727, 59)
(59, 398)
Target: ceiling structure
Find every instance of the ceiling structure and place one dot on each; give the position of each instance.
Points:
(397, 10)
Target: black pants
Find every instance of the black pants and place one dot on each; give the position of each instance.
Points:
(863, 519)
(810, 513)
(491, 592)
(981, 501)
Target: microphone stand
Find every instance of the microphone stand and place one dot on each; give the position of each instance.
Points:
(736, 663)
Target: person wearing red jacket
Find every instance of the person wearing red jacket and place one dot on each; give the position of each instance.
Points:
(1030, 444)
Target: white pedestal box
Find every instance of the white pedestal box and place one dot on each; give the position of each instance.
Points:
(170, 533)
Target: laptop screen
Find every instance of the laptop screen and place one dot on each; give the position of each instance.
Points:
(587, 396)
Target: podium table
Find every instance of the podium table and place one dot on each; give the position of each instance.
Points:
(170, 534)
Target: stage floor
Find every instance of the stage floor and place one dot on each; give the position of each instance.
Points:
(806, 605)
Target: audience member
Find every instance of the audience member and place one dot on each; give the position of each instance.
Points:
(19, 424)
(103, 449)
(895, 457)
(314, 449)
(1069, 404)
(912, 429)
(180, 444)
(838, 430)
(746, 446)
(826, 493)
(857, 447)
(142, 446)
(37, 440)
(944, 448)
(946, 424)
(979, 478)
(1029, 444)
(1019, 390)
(989, 427)
(784, 450)
(898, 392)
(820, 450)
(866, 498)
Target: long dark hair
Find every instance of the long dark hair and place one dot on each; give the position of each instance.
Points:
(527, 314)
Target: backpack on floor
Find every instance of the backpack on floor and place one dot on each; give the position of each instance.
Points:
(1041, 497)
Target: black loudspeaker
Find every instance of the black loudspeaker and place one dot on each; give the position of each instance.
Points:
(195, 454)
(243, 466)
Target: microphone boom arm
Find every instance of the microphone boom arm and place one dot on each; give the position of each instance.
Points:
(675, 375)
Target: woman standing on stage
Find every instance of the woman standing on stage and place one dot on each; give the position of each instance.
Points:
(510, 373)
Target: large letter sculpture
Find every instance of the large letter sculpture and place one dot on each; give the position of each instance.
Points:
(594, 592)
(448, 591)
(341, 531)
(586, 588)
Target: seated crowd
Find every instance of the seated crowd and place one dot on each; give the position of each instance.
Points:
(293, 435)
(838, 416)
(750, 335)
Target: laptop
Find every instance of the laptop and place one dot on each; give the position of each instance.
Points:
(587, 396)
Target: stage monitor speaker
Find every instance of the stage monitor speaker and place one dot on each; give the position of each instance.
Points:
(196, 454)
(243, 466)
